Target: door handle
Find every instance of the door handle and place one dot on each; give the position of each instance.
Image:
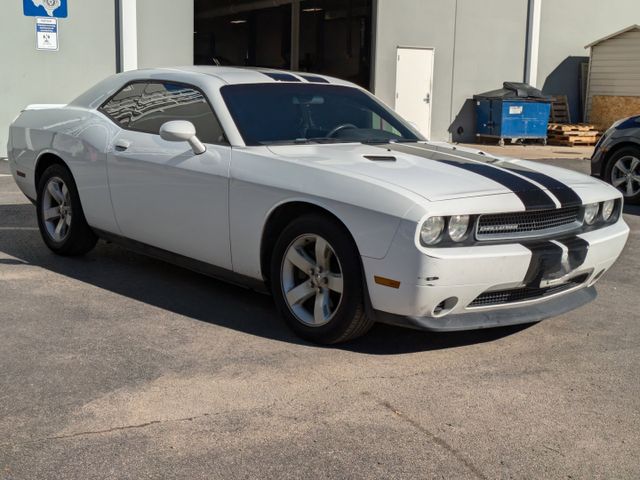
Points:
(121, 145)
(427, 99)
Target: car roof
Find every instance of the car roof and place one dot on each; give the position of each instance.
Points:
(238, 75)
(94, 97)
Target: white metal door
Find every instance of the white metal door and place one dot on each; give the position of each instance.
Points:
(414, 84)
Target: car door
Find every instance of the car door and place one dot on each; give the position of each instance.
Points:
(163, 194)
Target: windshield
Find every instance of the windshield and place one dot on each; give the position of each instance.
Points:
(289, 113)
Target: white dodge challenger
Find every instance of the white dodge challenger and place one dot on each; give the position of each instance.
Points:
(310, 187)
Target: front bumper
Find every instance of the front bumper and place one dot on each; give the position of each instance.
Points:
(597, 159)
(495, 318)
(438, 288)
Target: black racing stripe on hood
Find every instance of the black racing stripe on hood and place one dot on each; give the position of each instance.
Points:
(546, 258)
(530, 194)
(578, 249)
(565, 194)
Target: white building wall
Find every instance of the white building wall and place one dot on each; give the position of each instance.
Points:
(423, 23)
(565, 28)
(165, 33)
(478, 45)
(86, 55)
(162, 35)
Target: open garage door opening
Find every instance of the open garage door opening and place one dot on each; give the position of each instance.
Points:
(331, 37)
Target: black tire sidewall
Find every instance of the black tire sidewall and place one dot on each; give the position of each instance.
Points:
(347, 254)
(623, 152)
(80, 236)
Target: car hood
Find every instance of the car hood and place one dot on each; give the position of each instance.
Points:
(433, 170)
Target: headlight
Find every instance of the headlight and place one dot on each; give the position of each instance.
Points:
(431, 230)
(458, 226)
(607, 209)
(590, 213)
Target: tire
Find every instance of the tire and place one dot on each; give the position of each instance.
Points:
(327, 306)
(61, 220)
(627, 157)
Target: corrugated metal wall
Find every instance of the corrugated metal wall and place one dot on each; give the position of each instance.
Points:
(615, 68)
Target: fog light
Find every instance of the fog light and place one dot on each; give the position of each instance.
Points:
(445, 307)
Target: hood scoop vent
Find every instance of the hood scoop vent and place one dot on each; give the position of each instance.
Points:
(380, 158)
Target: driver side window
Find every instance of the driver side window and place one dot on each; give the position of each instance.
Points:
(146, 106)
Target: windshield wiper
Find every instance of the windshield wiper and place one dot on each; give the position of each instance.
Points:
(328, 140)
(304, 141)
(381, 141)
(323, 140)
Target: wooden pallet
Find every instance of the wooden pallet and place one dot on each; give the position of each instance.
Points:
(566, 134)
(560, 109)
(572, 141)
(572, 127)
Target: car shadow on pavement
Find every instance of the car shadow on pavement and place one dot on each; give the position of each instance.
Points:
(631, 209)
(196, 296)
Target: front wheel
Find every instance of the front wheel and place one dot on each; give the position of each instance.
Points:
(316, 281)
(623, 172)
(60, 217)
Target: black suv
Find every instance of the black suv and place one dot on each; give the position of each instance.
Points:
(616, 158)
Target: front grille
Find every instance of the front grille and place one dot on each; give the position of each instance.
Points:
(503, 226)
(503, 297)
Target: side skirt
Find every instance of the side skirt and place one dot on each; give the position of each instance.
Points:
(185, 262)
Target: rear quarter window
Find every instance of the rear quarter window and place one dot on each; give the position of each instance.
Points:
(146, 106)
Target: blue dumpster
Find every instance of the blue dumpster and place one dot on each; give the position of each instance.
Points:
(516, 111)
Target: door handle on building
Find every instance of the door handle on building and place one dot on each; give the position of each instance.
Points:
(427, 99)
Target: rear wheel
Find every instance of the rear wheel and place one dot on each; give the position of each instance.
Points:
(60, 217)
(623, 172)
(317, 281)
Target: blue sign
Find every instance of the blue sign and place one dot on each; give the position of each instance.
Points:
(45, 8)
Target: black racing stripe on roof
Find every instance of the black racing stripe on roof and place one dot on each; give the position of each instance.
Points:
(530, 194)
(314, 79)
(565, 194)
(281, 77)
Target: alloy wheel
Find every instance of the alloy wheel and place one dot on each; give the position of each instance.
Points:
(312, 281)
(56, 209)
(625, 175)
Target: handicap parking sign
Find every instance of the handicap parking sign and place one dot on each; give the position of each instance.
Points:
(45, 8)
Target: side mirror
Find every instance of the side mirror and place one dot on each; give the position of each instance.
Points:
(182, 131)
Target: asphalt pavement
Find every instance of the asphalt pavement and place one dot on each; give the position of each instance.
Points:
(119, 366)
